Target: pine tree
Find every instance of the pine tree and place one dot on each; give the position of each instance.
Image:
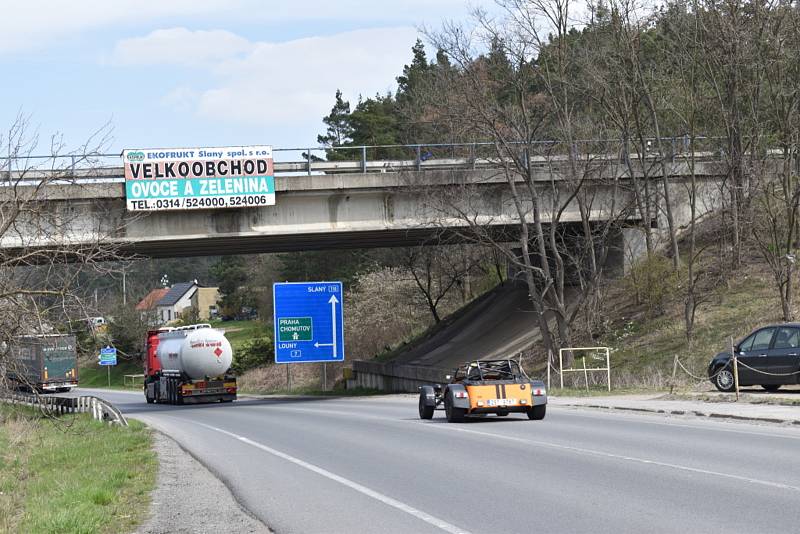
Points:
(339, 129)
(413, 75)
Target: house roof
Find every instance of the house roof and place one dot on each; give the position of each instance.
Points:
(151, 299)
(176, 293)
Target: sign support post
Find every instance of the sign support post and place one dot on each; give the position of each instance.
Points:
(108, 357)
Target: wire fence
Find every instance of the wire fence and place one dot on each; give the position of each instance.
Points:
(726, 376)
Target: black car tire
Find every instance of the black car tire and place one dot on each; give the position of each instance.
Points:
(425, 412)
(537, 413)
(724, 380)
(771, 387)
(454, 415)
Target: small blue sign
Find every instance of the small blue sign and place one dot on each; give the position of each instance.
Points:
(108, 356)
(309, 325)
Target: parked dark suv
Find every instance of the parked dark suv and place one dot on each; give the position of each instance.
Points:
(769, 357)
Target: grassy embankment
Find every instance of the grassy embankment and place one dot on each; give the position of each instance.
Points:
(72, 474)
(240, 332)
(644, 348)
(96, 376)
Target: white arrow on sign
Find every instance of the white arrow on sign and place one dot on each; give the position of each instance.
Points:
(333, 302)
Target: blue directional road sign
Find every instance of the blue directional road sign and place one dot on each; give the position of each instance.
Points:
(308, 322)
(108, 356)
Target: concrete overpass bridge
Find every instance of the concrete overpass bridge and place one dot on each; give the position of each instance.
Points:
(324, 204)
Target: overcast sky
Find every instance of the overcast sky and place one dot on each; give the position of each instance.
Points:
(181, 73)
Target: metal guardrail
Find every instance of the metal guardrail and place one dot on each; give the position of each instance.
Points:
(100, 409)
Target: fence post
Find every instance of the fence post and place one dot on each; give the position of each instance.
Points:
(674, 372)
(735, 370)
(419, 157)
(363, 159)
(549, 364)
(561, 367)
(585, 374)
(308, 157)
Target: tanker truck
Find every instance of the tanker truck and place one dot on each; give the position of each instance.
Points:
(188, 365)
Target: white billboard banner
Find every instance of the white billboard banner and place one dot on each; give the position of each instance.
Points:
(159, 179)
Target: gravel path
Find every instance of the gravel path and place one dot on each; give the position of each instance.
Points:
(189, 499)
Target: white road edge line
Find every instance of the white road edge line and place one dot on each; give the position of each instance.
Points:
(385, 499)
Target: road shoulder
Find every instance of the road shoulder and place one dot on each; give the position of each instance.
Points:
(742, 411)
(188, 498)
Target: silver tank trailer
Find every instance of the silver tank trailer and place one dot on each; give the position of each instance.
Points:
(199, 351)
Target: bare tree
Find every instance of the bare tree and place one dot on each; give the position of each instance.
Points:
(777, 202)
(510, 85)
(439, 269)
(45, 246)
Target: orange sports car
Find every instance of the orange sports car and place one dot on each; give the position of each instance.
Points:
(483, 387)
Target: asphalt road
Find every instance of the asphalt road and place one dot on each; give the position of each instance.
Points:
(370, 465)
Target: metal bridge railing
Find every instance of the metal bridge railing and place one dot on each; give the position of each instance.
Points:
(384, 158)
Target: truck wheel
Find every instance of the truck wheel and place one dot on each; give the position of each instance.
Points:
(536, 413)
(425, 412)
(454, 415)
(502, 414)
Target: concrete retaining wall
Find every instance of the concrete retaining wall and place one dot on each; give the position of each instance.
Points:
(394, 378)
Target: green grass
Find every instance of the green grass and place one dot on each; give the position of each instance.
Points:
(239, 332)
(96, 376)
(72, 474)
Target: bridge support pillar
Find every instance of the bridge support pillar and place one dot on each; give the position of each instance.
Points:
(634, 246)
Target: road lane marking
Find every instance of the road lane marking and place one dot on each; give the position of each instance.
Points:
(700, 425)
(707, 424)
(570, 448)
(385, 499)
(646, 461)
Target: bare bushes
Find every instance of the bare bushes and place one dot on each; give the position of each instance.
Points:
(652, 281)
(382, 309)
(303, 377)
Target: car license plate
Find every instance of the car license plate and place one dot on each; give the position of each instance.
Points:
(501, 402)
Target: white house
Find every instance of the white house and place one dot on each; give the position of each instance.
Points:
(177, 299)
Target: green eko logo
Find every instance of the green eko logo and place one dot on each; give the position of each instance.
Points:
(135, 156)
